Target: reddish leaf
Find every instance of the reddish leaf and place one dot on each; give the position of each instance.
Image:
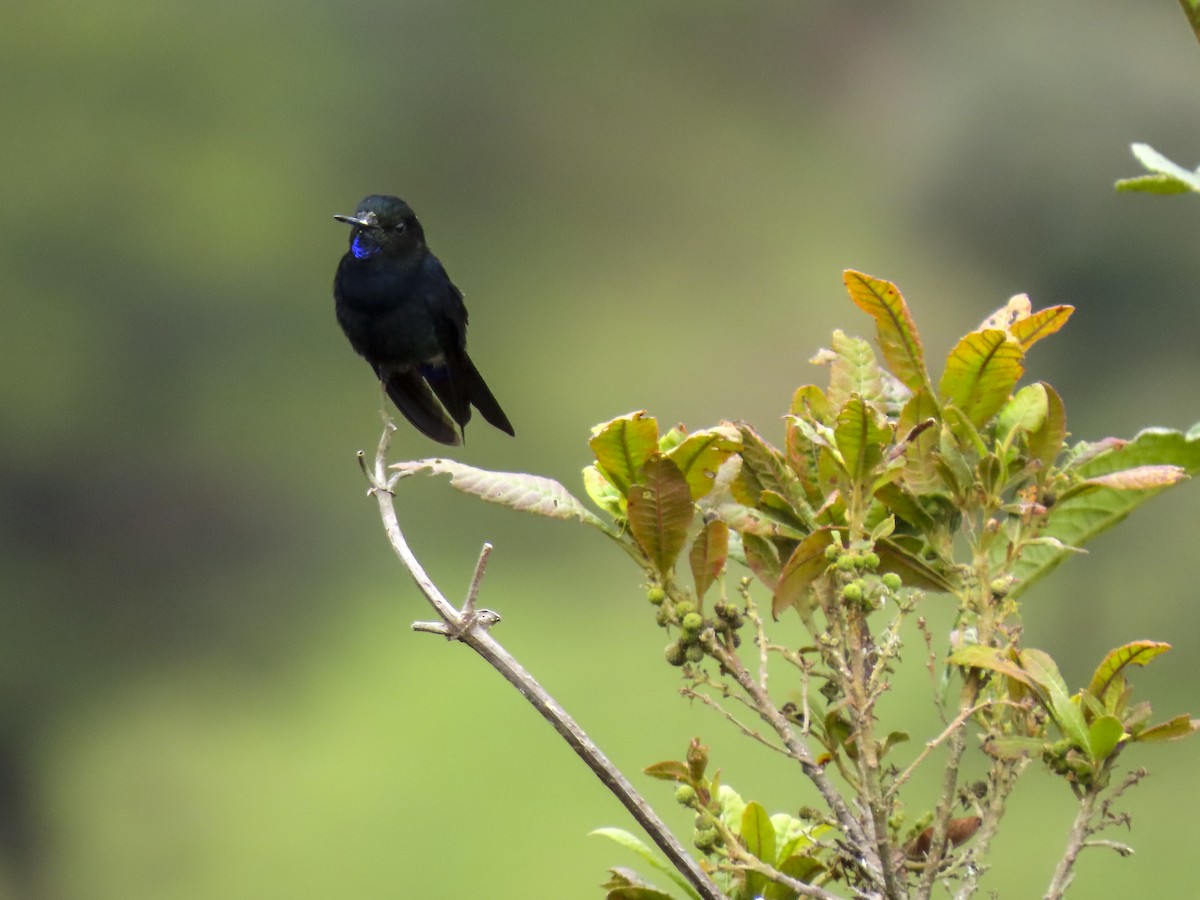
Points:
(668, 770)
(957, 831)
(806, 564)
(1140, 478)
(709, 552)
(660, 510)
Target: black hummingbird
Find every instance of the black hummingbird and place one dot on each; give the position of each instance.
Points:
(405, 317)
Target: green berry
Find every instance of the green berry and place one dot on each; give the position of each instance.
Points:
(682, 609)
(706, 839)
(692, 622)
(694, 653)
(892, 581)
(656, 595)
(853, 592)
(685, 795)
(847, 562)
(871, 560)
(832, 551)
(676, 654)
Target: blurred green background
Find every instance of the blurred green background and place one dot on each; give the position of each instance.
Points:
(209, 684)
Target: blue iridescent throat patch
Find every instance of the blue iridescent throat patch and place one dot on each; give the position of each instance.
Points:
(363, 249)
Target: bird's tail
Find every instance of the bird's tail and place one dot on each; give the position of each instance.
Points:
(414, 399)
(482, 399)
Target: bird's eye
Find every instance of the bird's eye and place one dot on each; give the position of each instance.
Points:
(400, 228)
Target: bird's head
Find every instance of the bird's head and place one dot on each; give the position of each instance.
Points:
(383, 225)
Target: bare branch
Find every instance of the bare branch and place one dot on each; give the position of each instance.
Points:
(470, 627)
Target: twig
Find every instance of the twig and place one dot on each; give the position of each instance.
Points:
(799, 751)
(745, 729)
(930, 746)
(1084, 827)
(470, 627)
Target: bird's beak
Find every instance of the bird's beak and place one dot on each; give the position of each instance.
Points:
(367, 220)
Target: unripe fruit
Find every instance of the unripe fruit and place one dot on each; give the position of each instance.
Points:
(675, 653)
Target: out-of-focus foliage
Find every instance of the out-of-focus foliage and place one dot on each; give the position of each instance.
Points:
(209, 686)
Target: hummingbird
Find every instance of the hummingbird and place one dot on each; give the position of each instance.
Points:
(404, 316)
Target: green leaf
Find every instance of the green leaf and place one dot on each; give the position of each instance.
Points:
(809, 406)
(1171, 730)
(731, 806)
(623, 446)
(527, 493)
(757, 832)
(660, 511)
(920, 469)
(764, 468)
(701, 454)
(758, 836)
(1136, 653)
(1191, 9)
(894, 328)
(632, 843)
(854, 371)
(1105, 735)
(1025, 413)
(979, 656)
(1042, 669)
(1166, 177)
(861, 437)
(1045, 443)
(762, 558)
(914, 571)
(802, 868)
(981, 372)
(709, 552)
(602, 492)
(1078, 519)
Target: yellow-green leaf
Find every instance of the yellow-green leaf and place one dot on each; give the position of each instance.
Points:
(1105, 734)
(1046, 442)
(894, 327)
(981, 372)
(622, 447)
(1028, 330)
(1136, 653)
(701, 454)
(1171, 730)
